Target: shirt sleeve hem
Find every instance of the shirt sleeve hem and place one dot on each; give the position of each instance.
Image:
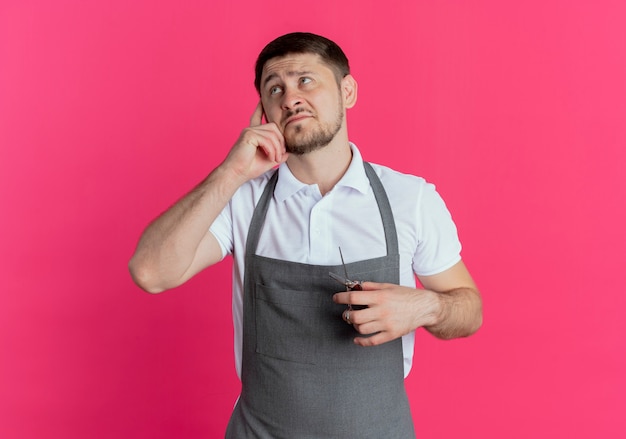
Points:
(440, 269)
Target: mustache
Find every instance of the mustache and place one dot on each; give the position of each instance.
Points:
(292, 113)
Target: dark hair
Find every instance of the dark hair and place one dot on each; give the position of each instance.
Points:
(303, 42)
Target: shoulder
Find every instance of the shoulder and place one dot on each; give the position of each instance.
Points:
(399, 184)
(411, 196)
(231, 225)
(252, 190)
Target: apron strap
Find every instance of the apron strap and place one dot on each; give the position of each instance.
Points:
(258, 218)
(389, 225)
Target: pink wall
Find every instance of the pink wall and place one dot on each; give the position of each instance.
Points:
(110, 110)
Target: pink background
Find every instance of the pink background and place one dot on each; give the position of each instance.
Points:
(111, 110)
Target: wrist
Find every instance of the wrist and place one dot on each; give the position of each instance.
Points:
(438, 308)
(226, 178)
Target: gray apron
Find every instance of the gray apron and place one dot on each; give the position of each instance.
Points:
(302, 375)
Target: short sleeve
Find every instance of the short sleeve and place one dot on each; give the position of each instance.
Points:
(438, 246)
(222, 229)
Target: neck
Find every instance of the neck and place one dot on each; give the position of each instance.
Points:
(323, 167)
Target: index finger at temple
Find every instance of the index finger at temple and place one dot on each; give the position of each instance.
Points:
(257, 116)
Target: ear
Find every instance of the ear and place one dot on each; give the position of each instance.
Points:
(349, 89)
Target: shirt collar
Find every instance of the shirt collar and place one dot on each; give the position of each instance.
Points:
(355, 177)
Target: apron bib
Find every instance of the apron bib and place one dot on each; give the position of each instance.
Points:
(302, 375)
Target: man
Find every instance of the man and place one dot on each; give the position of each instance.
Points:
(315, 360)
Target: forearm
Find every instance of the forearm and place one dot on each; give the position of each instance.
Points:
(170, 246)
(459, 314)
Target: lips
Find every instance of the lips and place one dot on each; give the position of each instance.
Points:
(297, 117)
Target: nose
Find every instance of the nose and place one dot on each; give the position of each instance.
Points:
(291, 99)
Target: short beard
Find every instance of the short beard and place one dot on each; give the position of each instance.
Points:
(315, 140)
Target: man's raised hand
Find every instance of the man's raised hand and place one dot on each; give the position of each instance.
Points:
(259, 148)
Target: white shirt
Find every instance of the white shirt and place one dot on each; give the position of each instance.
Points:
(303, 226)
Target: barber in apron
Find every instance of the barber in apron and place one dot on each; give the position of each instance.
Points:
(302, 375)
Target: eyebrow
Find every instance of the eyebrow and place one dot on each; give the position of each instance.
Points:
(291, 73)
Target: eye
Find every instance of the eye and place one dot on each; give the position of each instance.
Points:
(305, 80)
(275, 90)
